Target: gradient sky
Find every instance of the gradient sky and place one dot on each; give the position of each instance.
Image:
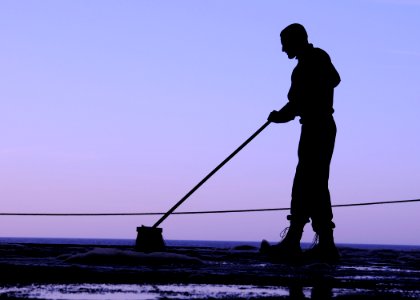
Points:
(123, 106)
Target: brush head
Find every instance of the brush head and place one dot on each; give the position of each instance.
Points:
(149, 239)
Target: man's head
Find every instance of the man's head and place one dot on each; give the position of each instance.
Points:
(294, 40)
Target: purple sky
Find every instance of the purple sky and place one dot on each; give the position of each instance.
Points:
(123, 106)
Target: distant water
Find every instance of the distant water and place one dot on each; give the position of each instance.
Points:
(180, 243)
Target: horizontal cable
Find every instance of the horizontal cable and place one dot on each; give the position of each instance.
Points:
(194, 212)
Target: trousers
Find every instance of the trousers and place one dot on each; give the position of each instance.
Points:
(311, 198)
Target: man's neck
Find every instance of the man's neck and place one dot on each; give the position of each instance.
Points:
(303, 51)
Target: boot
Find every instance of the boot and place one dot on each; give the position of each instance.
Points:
(288, 249)
(324, 249)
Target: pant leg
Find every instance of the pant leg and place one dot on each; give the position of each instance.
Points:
(310, 193)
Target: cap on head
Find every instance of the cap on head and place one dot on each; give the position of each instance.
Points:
(294, 33)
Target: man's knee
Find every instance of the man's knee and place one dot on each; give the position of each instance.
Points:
(322, 226)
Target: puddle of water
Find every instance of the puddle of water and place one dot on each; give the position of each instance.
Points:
(132, 291)
(190, 291)
(380, 268)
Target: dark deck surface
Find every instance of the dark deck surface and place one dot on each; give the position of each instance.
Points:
(364, 274)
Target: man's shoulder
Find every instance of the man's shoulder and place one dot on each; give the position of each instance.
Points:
(320, 54)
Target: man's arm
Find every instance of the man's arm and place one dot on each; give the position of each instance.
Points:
(286, 114)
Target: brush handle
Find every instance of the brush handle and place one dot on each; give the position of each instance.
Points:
(211, 174)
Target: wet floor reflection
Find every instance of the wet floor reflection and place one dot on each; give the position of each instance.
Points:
(183, 291)
(131, 291)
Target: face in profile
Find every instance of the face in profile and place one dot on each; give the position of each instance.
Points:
(288, 48)
(294, 39)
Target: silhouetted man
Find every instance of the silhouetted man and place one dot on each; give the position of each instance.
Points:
(310, 98)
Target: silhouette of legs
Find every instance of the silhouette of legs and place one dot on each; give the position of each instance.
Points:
(310, 194)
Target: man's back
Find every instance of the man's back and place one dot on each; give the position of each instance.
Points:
(313, 82)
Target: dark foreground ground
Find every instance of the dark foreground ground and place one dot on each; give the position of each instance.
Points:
(40, 271)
